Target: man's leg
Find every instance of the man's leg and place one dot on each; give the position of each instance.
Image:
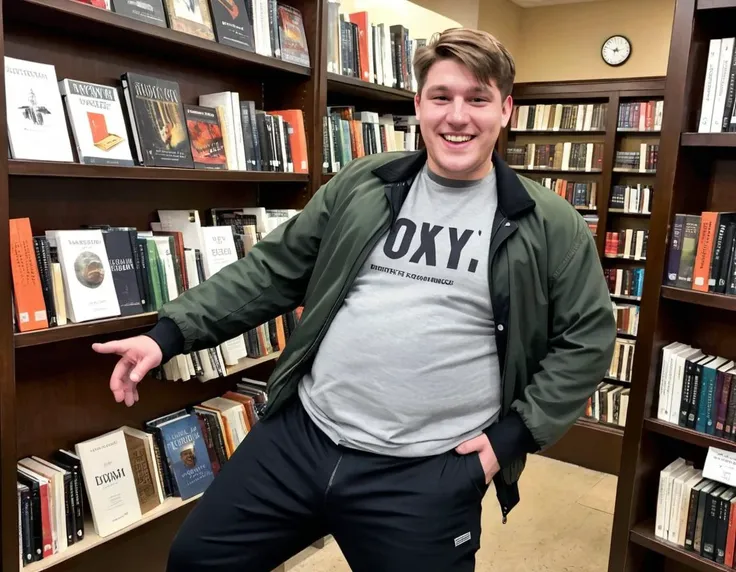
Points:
(393, 515)
(265, 505)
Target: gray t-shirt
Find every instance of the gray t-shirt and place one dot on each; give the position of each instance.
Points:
(408, 367)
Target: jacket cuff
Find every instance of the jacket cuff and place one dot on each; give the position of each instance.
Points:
(169, 338)
(510, 439)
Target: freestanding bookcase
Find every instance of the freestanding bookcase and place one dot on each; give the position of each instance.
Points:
(594, 445)
(696, 173)
(53, 387)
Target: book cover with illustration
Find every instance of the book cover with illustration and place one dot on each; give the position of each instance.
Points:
(233, 23)
(104, 4)
(191, 17)
(149, 11)
(35, 115)
(293, 39)
(205, 135)
(187, 455)
(97, 121)
(157, 117)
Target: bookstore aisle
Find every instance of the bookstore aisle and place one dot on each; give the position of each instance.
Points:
(563, 523)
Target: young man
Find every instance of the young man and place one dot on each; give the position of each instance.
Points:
(456, 319)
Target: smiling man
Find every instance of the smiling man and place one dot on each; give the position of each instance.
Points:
(455, 320)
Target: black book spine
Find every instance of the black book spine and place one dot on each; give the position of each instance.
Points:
(692, 517)
(139, 276)
(687, 388)
(692, 413)
(710, 525)
(717, 255)
(724, 511)
(44, 274)
(26, 526)
(726, 259)
(36, 523)
(255, 136)
(250, 152)
(273, 28)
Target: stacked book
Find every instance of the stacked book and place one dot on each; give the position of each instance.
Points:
(640, 116)
(628, 282)
(581, 194)
(608, 404)
(559, 117)
(632, 198)
(567, 156)
(643, 161)
(622, 362)
(718, 106)
(627, 243)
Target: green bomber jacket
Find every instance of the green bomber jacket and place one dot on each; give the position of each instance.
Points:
(555, 328)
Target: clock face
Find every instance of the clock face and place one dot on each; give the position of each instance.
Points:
(616, 50)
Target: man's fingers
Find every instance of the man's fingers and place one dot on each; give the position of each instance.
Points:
(141, 369)
(470, 446)
(114, 347)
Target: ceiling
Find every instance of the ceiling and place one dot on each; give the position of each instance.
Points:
(536, 3)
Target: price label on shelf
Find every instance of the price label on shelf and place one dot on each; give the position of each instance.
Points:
(720, 466)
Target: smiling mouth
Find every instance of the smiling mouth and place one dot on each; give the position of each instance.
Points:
(458, 138)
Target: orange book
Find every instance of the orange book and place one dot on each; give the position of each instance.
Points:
(247, 401)
(280, 332)
(30, 307)
(731, 535)
(701, 271)
(361, 20)
(297, 138)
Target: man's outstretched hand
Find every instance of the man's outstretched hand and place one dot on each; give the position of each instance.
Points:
(482, 446)
(138, 355)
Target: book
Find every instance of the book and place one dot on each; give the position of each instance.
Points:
(205, 136)
(191, 17)
(149, 11)
(34, 112)
(292, 38)
(29, 305)
(233, 24)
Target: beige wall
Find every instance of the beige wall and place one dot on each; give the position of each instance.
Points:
(563, 42)
(465, 12)
(503, 19)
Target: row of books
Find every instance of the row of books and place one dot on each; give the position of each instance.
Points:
(567, 156)
(632, 198)
(625, 281)
(608, 404)
(221, 132)
(627, 318)
(622, 361)
(375, 52)
(266, 27)
(696, 390)
(347, 135)
(702, 253)
(643, 160)
(592, 222)
(628, 243)
(696, 513)
(641, 115)
(559, 117)
(582, 194)
(718, 106)
(128, 472)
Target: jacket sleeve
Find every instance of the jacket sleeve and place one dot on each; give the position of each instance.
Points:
(581, 341)
(271, 280)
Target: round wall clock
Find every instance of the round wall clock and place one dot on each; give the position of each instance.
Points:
(616, 50)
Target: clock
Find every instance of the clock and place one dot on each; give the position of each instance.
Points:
(616, 50)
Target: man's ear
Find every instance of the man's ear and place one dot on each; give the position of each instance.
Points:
(506, 110)
(416, 105)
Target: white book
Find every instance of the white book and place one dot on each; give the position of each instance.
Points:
(558, 117)
(35, 113)
(679, 498)
(97, 121)
(588, 117)
(723, 77)
(709, 87)
(659, 111)
(580, 119)
(694, 481)
(108, 480)
(669, 497)
(678, 379)
(589, 157)
(566, 150)
(665, 389)
(643, 158)
(88, 284)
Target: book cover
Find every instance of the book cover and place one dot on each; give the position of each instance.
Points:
(142, 467)
(109, 482)
(97, 121)
(191, 17)
(156, 111)
(187, 455)
(205, 136)
(104, 4)
(120, 254)
(35, 115)
(30, 308)
(149, 11)
(233, 23)
(292, 37)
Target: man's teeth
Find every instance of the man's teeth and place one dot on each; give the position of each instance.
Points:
(457, 138)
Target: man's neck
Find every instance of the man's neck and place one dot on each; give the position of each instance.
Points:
(454, 179)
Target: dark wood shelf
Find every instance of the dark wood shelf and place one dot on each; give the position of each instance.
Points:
(626, 298)
(610, 379)
(625, 336)
(643, 535)
(688, 435)
(708, 140)
(720, 301)
(715, 4)
(634, 171)
(84, 330)
(346, 85)
(621, 258)
(625, 131)
(598, 426)
(573, 171)
(77, 18)
(553, 132)
(326, 177)
(77, 170)
(621, 212)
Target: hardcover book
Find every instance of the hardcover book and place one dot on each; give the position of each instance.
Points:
(120, 254)
(157, 117)
(233, 23)
(205, 136)
(35, 114)
(109, 482)
(187, 455)
(292, 37)
(97, 121)
(104, 4)
(191, 17)
(150, 11)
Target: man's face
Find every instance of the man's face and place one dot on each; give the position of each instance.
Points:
(460, 119)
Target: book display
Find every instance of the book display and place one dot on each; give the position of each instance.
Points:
(595, 143)
(672, 511)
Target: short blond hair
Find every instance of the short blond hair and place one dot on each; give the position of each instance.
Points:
(479, 51)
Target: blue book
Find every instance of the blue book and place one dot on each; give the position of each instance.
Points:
(187, 455)
(706, 422)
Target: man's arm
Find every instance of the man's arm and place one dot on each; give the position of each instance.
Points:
(271, 280)
(581, 343)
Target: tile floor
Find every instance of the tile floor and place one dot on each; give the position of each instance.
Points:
(569, 529)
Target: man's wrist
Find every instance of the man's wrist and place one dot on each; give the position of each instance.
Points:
(169, 338)
(510, 439)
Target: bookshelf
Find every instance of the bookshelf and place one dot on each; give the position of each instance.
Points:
(694, 175)
(590, 444)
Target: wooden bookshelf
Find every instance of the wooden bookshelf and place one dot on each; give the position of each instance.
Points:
(352, 86)
(84, 330)
(689, 181)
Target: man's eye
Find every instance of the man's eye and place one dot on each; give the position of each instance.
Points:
(440, 97)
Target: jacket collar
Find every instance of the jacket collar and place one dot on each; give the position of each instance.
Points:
(513, 198)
